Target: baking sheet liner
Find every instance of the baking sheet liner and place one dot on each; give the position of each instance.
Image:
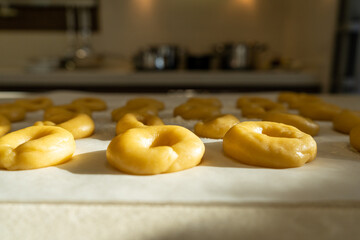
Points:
(333, 177)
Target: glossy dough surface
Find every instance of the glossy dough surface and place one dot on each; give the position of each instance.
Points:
(155, 149)
(35, 147)
(269, 144)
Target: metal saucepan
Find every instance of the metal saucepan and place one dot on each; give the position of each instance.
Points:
(238, 56)
(162, 57)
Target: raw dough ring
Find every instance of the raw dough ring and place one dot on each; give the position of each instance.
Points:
(145, 102)
(215, 127)
(295, 100)
(35, 104)
(13, 112)
(155, 149)
(131, 120)
(319, 111)
(303, 124)
(269, 144)
(254, 110)
(118, 113)
(62, 113)
(355, 137)
(80, 125)
(94, 104)
(5, 125)
(36, 147)
(346, 120)
(196, 111)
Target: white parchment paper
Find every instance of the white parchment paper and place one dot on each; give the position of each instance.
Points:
(333, 177)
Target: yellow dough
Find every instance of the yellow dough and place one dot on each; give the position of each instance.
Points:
(5, 125)
(346, 120)
(198, 108)
(131, 120)
(118, 113)
(35, 147)
(62, 113)
(155, 149)
(79, 125)
(296, 100)
(12, 112)
(355, 137)
(215, 127)
(319, 111)
(35, 104)
(196, 111)
(258, 111)
(94, 104)
(257, 107)
(303, 124)
(269, 144)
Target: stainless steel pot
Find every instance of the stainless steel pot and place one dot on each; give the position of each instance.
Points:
(237, 56)
(162, 57)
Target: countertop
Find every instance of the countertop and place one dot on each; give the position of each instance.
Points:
(220, 198)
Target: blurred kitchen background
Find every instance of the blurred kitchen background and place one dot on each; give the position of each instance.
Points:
(159, 45)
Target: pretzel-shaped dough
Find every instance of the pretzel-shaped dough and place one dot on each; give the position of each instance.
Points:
(36, 147)
(155, 149)
(269, 144)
